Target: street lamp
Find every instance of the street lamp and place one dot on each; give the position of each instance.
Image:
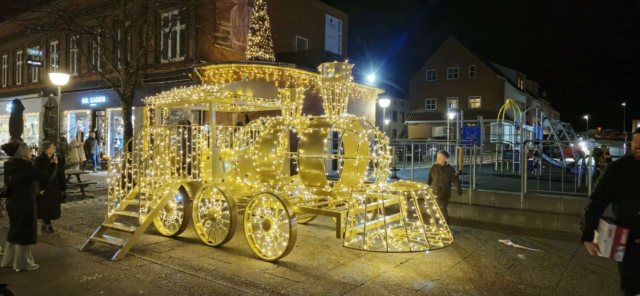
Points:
(59, 79)
(452, 113)
(384, 103)
(371, 78)
(587, 118)
(624, 117)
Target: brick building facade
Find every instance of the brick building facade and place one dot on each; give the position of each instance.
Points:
(304, 32)
(454, 77)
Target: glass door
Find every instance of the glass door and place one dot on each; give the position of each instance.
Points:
(101, 129)
(116, 131)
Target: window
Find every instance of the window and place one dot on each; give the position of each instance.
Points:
(472, 71)
(5, 70)
(535, 90)
(453, 73)
(432, 75)
(402, 116)
(520, 82)
(53, 56)
(452, 103)
(301, 43)
(395, 116)
(173, 37)
(19, 67)
(430, 104)
(73, 55)
(475, 102)
(35, 54)
(96, 51)
(394, 133)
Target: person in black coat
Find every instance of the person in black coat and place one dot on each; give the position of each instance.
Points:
(49, 202)
(23, 181)
(91, 150)
(617, 187)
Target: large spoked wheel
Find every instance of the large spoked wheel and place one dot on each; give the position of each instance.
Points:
(270, 226)
(215, 216)
(173, 220)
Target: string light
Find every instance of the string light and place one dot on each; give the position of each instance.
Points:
(259, 43)
(254, 165)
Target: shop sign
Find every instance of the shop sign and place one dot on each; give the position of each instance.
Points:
(34, 63)
(93, 101)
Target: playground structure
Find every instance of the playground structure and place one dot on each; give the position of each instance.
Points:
(269, 175)
(556, 141)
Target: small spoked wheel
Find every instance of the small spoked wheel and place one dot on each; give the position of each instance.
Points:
(305, 218)
(270, 226)
(172, 219)
(215, 216)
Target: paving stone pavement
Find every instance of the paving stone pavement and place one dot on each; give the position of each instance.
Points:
(475, 264)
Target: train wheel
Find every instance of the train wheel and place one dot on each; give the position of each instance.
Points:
(270, 226)
(215, 216)
(173, 220)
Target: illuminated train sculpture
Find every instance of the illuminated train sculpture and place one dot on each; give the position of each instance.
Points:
(218, 177)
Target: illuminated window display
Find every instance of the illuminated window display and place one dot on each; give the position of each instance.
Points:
(30, 135)
(115, 130)
(78, 124)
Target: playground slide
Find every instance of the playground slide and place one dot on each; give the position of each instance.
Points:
(552, 161)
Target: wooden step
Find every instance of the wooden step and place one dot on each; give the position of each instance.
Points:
(121, 227)
(127, 213)
(135, 202)
(109, 240)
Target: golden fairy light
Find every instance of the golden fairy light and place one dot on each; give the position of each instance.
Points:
(259, 43)
(272, 174)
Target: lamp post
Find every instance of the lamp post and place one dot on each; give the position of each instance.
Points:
(451, 114)
(59, 79)
(624, 117)
(371, 78)
(384, 103)
(587, 118)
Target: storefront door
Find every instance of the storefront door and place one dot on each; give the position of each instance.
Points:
(101, 124)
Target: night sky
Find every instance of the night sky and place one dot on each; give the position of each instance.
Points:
(581, 52)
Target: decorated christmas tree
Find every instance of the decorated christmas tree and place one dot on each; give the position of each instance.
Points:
(260, 45)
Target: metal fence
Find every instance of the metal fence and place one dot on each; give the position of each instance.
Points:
(412, 159)
(559, 167)
(553, 167)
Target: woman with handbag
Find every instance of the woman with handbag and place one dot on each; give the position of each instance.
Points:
(23, 185)
(49, 202)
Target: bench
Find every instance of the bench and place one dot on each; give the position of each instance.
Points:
(82, 186)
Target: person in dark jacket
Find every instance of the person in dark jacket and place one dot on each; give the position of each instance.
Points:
(91, 150)
(441, 175)
(63, 154)
(617, 187)
(24, 181)
(49, 202)
(607, 155)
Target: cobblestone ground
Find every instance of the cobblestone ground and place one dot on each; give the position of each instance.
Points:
(475, 264)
